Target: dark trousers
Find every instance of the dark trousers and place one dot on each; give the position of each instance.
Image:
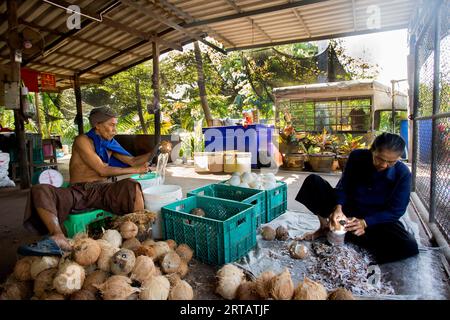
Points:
(386, 241)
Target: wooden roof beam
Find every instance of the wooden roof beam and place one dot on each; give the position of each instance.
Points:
(302, 22)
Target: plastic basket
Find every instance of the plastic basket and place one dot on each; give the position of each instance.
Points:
(250, 196)
(276, 201)
(79, 222)
(226, 232)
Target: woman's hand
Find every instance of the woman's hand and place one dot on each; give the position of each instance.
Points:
(357, 226)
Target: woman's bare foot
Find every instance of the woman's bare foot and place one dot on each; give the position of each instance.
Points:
(62, 241)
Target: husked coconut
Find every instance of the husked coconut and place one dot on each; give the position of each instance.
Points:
(113, 237)
(22, 269)
(14, 289)
(229, 279)
(122, 262)
(197, 212)
(341, 294)
(171, 262)
(145, 251)
(155, 288)
(128, 230)
(298, 250)
(143, 269)
(181, 291)
(83, 295)
(95, 278)
(43, 263)
(282, 233)
(44, 282)
(131, 244)
(310, 290)
(69, 278)
(282, 286)
(172, 244)
(116, 288)
(183, 269)
(106, 254)
(161, 248)
(86, 251)
(247, 291)
(185, 252)
(264, 284)
(247, 177)
(268, 233)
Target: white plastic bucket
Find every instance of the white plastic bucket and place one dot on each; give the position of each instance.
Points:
(147, 180)
(201, 161)
(157, 197)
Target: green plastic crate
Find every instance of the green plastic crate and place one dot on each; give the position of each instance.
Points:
(225, 234)
(245, 195)
(276, 201)
(79, 222)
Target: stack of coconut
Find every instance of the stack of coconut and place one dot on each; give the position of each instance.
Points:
(116, 267)
(264, 181)
(233, 284)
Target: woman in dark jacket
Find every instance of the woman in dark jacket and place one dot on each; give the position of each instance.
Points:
(371, 196)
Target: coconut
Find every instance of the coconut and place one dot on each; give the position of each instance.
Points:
(86, 251)
(70, 278)
(116, 288)
(172, 244)
(264, 284)
(148, 242)
(181, 291)
(157, 271)
(14, 289)
(113, 237)
(122, 262)
(235, 180)
(95, 278)
(247, 177)
(183, 269)
(268, 233)
(143, 269)
(53, 295)
(161, 248)
(44, 282)
(341, 294)
(131, 244)
(134, 296)
(83, 295)
(171, 262)
(230, 277)
(43, 263)
(79, 236)
(310, 290)
(268, 185)
(244, 185)
(173, 278)
(282, 233)
(155, 288)
(185, 252)
(103, 243)
(128, 230)
(90, 268)
(22, 269)
(104, 260)
(282, 287)
(165, 147)
(236, 174)
(145, 251)
(247, 291)
(197, 212)
(298, 250)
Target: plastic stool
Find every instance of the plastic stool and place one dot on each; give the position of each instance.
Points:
(79, 222)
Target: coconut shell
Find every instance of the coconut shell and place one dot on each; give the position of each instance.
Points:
(247, 291)
(172, 244)
(230, 278)
(282, 286)
(128, 230)
(122, 262)
(86, 251)
(44, 282)
(145, 251)
(104, 260)
(161, 248)
(171, 262)
(69, 278)
(143, 269)
(113, 237)
(185, 252)
(97, 277)
(131, 244)
(264, 284)
(43, 263)
(341, 294)
(310, 290)
(155, 288)
(298, 250)
(282, 233)
(268, 233)
(22, 269)
(116, 288)
(181, 291)
(83, 295)
(14, 289)
(183, 269)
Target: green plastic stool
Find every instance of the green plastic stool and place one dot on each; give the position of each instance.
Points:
(79, 222)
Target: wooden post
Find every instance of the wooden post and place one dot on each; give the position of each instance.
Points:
(38, 115)
(18, 114)
(79, 116)
(156, 95)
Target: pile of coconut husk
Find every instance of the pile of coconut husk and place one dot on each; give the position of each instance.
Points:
(116, 266)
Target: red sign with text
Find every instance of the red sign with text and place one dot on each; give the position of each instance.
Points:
(48, 81)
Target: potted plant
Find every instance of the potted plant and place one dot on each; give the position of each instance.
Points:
(349, 144)
(321, 151)
(295, 157)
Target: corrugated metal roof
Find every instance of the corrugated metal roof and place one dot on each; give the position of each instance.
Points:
(123, 37)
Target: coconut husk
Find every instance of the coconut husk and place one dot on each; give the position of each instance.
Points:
(282, 286)
(145, 251)
(247, 291)
(116, 288)
(44, 282)
(229, 280)
(43, 263)
(128, 230)
(95, 278)
(341, 294)
(173, 278)
(172, 244)
(264, 284)
(183, 269)
(83, 295)
(22, 269)
(185, 252)
(69, 278)
(53, 295)
(161, 248)
(122, 262)
(86, 251)
(14, 289)
(148, 242)
(131, 244)
(310, 290)
(282, 233)
(155, 288)
(181, 291)
(142, 219)
(113, 237)
(143, 269)
(171, 262)
(268, 233)
(104, 260)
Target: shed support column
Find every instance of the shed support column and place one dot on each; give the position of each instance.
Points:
(79, 116)
(18, 114)
(156, 96)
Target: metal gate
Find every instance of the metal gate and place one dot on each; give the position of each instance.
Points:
(431, 112)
